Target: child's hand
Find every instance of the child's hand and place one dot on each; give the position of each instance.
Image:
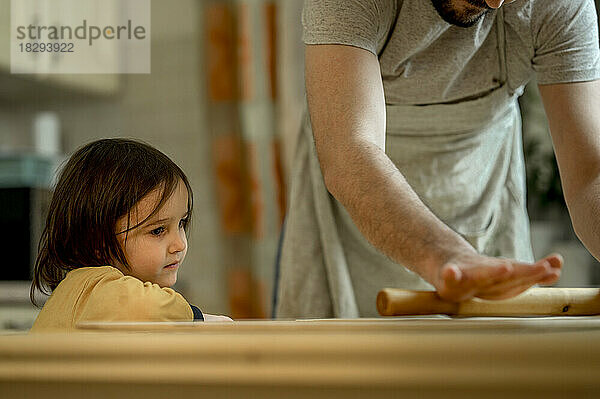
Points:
(213, 317)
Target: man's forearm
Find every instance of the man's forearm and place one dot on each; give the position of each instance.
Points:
(388, 212)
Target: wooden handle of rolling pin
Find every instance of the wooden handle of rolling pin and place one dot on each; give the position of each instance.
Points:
(533, 302)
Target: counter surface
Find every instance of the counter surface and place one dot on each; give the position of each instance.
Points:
(408, 357)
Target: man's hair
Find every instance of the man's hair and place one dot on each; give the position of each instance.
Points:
(99, 184)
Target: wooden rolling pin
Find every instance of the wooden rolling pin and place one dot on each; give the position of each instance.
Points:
(533, 302)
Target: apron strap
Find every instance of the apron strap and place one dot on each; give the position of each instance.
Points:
(501, 35)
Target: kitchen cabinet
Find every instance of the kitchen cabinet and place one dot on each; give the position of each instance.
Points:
(25, 194)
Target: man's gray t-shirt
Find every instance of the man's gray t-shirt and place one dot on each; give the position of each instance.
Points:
(453, 131)
(430, 61)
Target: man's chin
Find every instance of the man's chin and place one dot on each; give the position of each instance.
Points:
(479, 4)
(462, 18)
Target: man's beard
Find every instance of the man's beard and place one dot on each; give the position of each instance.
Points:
(461, 16)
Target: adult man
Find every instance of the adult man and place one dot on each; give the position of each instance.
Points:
(416, 127)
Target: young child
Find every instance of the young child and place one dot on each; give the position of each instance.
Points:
(115, 238)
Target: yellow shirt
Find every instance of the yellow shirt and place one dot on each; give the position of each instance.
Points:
(103, 293)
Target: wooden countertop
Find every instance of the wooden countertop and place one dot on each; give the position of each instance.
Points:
(408, 357)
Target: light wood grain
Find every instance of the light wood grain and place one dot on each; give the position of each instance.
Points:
(547, 358)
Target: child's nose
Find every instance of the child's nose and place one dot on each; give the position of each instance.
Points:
(179, 243)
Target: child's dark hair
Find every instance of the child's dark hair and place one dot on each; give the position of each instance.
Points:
(100, 183)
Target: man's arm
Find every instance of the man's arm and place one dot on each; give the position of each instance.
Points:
(574, 116)
(347, 110)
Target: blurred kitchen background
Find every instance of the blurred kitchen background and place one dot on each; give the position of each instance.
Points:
(224, 100)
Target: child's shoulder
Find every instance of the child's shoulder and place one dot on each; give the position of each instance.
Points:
(104, 280)
(103, 293)
(86, 278)
(111, 295)
(94, 272)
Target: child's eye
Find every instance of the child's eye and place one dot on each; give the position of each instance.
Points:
(157, 231)
(183, 222)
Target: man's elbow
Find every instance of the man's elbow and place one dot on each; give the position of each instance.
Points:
(332, 168)
(348, 163)
(585, 216)
(332, 178)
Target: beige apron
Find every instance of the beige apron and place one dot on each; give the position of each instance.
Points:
(465, 162)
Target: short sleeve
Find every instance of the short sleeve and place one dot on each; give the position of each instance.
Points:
(565, 37)
(128, 299)
(363, 24)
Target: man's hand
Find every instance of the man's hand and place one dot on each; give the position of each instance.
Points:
(472, 275)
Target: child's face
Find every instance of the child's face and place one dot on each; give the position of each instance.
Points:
(156, 249)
